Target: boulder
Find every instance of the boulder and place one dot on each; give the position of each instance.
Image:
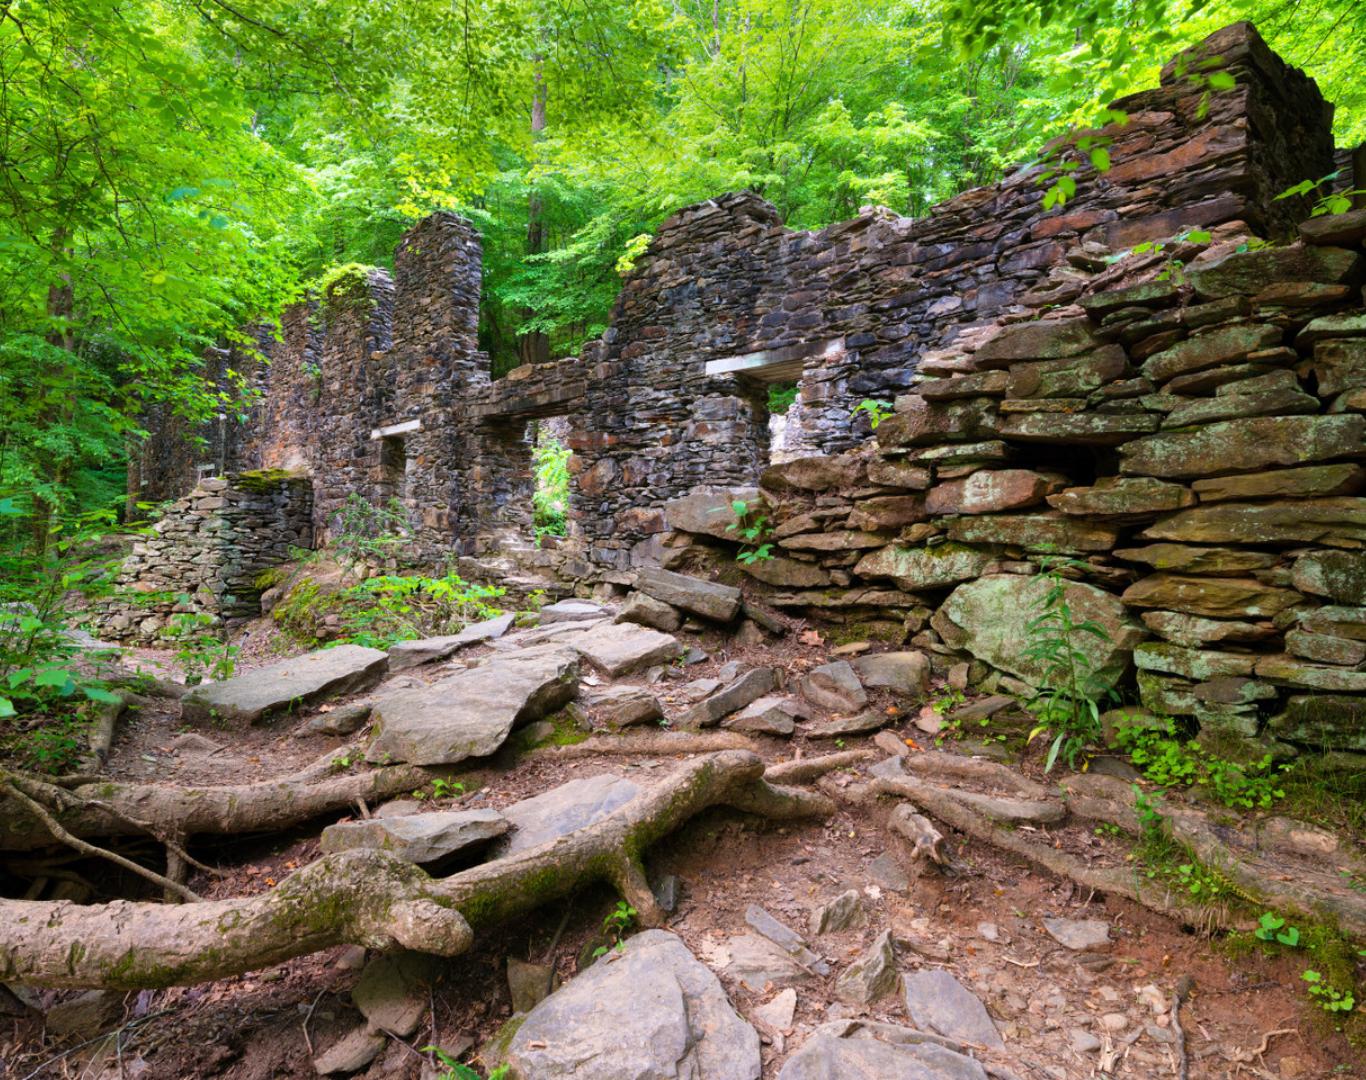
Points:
(835, 687)
(653, 1013)
(1050, 532)
(645, 610)
(1337, 230)
(990, 491)
(1123, 498)
(409, 654)
(300, 680)
(573, 805)
(1250, 445)
(709, 513)
(862, 1050)
(418, 838)
(1215, 598)
(993, 613)
(1333, 521)
(938, 1002)
(472, 713)
(844, 912)
(618, 649)
(915, 568)
(705, 598)
(748, 688)
(905, 672)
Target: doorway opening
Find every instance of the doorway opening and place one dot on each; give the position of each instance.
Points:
(550, 456)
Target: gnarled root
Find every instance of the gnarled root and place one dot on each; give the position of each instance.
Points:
(372, 898)
(118, 809)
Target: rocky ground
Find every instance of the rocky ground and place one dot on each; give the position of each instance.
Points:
(790, 949)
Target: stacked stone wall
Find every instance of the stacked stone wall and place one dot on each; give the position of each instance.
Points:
(205, 554)
(1189, 440)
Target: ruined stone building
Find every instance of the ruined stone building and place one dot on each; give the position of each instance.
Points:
(1187, 422)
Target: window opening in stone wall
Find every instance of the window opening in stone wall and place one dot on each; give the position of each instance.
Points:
(206, 471)
(782, 413)
(550, 496)
(395, 466)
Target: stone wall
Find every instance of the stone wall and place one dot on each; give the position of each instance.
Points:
(386, 394)
(1191, 441)
(206, 553)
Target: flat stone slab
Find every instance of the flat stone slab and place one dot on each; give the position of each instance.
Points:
(419, 838)
(472, 713)
(410, 654)
(351, 1054)
(834, 686)
(563, 809)
(759, 964)
(653, 1013)
(853, 1050)
(297, 681)
(775, 714)
(618, 649)
(938, 1002)
(572, 611)
(1082, 935)
(748, 688)
(705, 598)
(861, 724)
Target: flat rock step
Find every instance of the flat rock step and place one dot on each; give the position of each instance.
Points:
(300, 680)
(409, 654)
(471, 713)
(561, 810)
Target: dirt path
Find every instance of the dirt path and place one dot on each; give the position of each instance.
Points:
(1065, 1015)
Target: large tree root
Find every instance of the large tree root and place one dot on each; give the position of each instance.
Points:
(119, 809)
(372, 898)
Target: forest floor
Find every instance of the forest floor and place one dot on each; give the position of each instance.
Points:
(1064, 1015)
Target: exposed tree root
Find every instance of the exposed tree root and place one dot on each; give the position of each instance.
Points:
(106, 723)
(1303, 886)
(120, 809)
(804, 770)
(373, 898)
(647, 742)
(942, 804)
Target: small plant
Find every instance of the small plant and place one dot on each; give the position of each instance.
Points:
(1167, 761)
(56, 747)
(1325, 202)
(366, 530)
(201, 653)
(442, 789)
(456, 1070)
(753, 530)
(781, 397)
(1067, 704)
(1271, 927)
(550, 500)
(876, 411)
(1330, 999)
(1174, 269)
(383, 610)
(615, 926)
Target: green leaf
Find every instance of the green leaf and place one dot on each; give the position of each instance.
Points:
(53, 677)
(1100, 159)
(95, 693)
(6, 707)
(1222, 80)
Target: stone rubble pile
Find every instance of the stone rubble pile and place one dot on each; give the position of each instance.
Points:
(1194, 444)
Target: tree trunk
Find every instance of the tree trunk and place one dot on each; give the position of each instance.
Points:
(534, 347)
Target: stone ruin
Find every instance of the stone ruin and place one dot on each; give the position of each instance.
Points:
(1186, 423)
